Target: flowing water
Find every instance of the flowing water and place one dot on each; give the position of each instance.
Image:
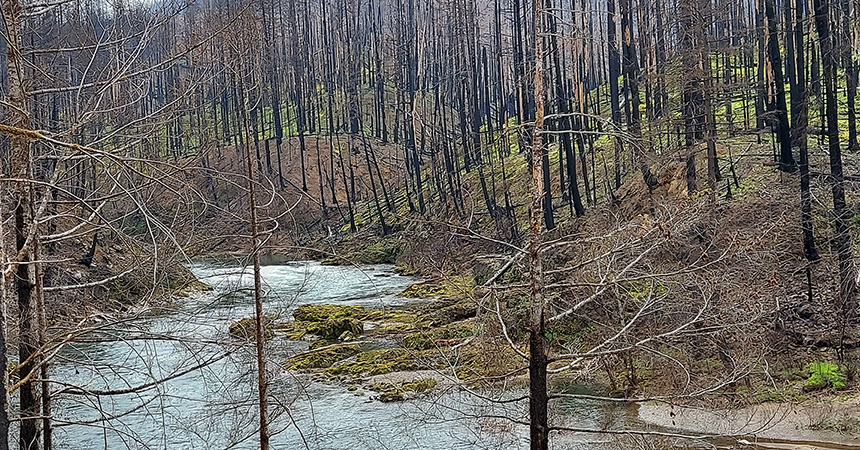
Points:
(214, 406)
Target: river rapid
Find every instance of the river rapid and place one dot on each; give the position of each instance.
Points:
(214, 405)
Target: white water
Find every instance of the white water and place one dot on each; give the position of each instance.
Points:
(214, 407)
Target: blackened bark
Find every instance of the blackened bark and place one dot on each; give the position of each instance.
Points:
(842, 216)
(783, 132)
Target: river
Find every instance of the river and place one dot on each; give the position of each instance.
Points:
(214, 407)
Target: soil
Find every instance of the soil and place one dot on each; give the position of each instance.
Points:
(826, 423)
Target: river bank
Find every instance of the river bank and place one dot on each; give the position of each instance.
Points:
(826, 422)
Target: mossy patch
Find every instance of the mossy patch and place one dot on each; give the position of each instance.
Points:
(244, 328)
(439, 337)
(322, 357)
(378, 362)
(321, 313)
(455, 287)
(380, 252)
(405, 270)
(444, 313)
(341, 328)
(383, 251)
(396, 392)
(423, 289)
(344, 322)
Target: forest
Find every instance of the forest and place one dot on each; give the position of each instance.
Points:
(548, 207)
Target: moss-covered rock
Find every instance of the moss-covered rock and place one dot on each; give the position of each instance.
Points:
(453, 287)
(405, 270)
(320, 343)
(377, 362)
(341, 328)
(423, 289)
(244, 328)
(383, 251)
(322, 357)
(322, 313)
(444, 313)
(380, 252)
(445, 336)
(396, 392)
(346, 322)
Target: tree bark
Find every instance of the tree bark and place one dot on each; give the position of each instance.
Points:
(20, 147)
(841, 213)
(259, 335)
(786, 159)
(538, 417)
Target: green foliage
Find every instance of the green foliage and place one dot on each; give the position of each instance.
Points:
(824, 375)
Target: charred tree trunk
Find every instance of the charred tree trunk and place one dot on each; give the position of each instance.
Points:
(800, 123)
(841, 213)
(783, 133)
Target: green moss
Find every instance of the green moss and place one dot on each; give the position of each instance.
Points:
(377, 362)
(423, 290)
(321, 358)
(244, 328)
(322, 313)
(395, 392)
(455, 287)
(380, 252)
(439, 337)
(824, 375)
(346, 322)
(341, 328)
(320, 343)
(405, 270)
(391, 315)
